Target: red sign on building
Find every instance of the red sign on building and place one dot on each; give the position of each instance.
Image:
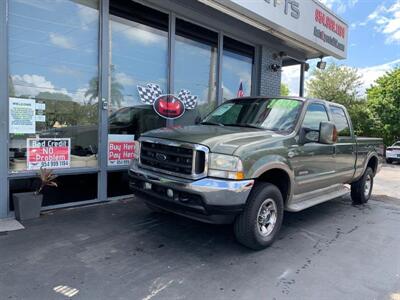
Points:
(121, 149)
(51, 153)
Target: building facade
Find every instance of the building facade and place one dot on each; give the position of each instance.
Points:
(82, 79)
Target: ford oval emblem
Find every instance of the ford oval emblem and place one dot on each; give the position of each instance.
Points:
(160, 156)
(168, 106)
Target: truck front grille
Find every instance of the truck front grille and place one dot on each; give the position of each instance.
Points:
(181, 161)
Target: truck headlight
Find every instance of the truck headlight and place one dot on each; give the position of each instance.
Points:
(225, 166)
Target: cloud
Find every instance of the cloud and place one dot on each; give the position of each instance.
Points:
(137, 34)
(340, 6)
(31, 85)
(291, 77)
(387, 21)
(370, 74)
(125, 79)
(61, 41)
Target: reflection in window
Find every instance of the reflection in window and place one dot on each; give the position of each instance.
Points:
(53, 60)
(341, 122)
(237, 67)
(139, 56)
(196, 68)
(316, 113)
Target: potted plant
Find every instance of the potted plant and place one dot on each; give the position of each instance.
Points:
(28, 205)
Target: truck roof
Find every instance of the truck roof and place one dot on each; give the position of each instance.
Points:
(304, 99)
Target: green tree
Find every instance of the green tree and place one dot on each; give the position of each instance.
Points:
(384, 103)
(336, 83)
(284, 89)
(62, 109)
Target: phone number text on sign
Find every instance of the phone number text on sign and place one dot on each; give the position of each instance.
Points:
(121, 149)
(51, 153)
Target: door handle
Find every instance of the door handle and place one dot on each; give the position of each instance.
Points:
(104, 103)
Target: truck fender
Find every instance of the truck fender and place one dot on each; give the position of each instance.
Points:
(360, 172)
(277, 165)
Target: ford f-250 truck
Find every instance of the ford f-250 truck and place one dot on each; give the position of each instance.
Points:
(253, 158)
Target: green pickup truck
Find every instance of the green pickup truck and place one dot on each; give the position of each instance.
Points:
(253, 158)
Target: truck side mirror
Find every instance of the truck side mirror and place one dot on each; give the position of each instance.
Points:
(327, 133)
(308, 135)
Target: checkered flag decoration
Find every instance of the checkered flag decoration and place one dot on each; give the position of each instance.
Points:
(190, 101)
(149, 93)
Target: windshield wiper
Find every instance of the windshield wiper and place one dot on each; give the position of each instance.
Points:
(211, 123)
(245, 125)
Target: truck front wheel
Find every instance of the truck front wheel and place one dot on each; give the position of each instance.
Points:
(361, 189)
(258, 225)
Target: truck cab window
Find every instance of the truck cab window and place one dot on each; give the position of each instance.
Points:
(341, 122)
(316, 113)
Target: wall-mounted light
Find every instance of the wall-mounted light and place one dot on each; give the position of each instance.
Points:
(321, 64)
(275, 67)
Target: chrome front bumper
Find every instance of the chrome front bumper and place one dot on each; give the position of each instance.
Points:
(203, 197)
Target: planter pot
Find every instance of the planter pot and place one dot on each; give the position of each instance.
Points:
(27, 205)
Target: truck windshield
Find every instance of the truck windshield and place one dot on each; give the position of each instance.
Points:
(270, 114)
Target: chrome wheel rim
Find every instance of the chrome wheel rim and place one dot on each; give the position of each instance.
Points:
(367, 186)
(266, 217)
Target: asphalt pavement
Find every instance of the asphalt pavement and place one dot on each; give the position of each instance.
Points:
(123, 251)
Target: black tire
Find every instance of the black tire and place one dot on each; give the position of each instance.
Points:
(358, 188)
(246, 225)
(155, 209)
(389, 160)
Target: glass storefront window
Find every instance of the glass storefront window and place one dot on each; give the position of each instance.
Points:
(196, 59)
(53, 75)
(237, 69)
(139, 62)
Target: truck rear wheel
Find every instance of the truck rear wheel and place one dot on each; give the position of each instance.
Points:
(258, 225)
(389, 160)
(361, 189)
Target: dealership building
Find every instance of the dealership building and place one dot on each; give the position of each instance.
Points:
(82, 79)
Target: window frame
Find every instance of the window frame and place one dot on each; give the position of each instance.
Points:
(347, 118)
(102, 12)
(315, 103)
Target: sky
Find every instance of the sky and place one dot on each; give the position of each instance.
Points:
(374, 39)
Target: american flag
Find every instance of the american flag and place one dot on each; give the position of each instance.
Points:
(240, 92)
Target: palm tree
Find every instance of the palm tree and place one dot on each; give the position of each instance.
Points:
(115, 90)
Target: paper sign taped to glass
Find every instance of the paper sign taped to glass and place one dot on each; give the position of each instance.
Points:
(121, 149)
(167, 106)
(22, 116)
(50, 153)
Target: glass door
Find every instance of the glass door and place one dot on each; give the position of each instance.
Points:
(138, 75)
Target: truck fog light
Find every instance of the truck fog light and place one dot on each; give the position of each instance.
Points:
(147, 186)
(170, 193)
